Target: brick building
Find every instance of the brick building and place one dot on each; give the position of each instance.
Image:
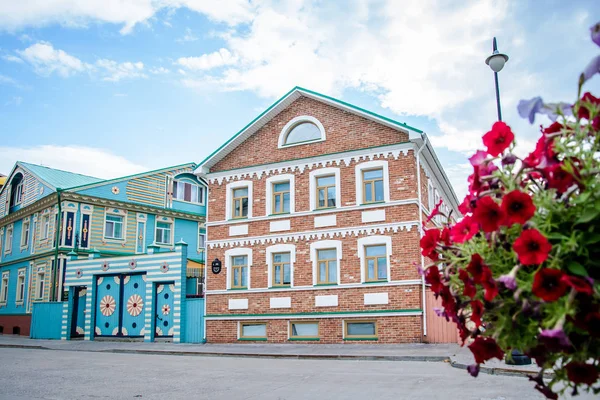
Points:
(314, 214)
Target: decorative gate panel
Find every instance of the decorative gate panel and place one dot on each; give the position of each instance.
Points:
(79, 312)
(107, 309)
(164, 309)
(134, 292)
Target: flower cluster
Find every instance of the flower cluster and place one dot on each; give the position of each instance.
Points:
(521, 269)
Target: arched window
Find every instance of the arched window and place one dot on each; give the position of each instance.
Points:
(16, 188)
(301, 130)
(185, 189)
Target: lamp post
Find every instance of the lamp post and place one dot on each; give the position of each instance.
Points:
(496, 62)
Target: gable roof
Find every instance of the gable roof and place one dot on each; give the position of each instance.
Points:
(283, 103)
(57, 178)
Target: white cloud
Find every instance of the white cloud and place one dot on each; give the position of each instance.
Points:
(100, 163)
(114, 71)
(159, 70)
(11, 58)
(188, 37)
(46, 60)
(219, 58)
(16, 15)
(16, 101)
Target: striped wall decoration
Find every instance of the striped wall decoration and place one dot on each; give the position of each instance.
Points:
(149, 189)
(32, 187)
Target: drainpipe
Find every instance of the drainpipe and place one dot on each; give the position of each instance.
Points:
(53, 294)
(425, 139)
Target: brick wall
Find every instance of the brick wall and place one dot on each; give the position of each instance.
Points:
(404, 329)
(344, 131)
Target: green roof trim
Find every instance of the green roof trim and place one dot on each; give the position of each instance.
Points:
(304, 314)
(58, 178)
(301, 89)
(121, 178)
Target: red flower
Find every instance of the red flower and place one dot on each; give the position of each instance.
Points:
(445, 236)
(478, 158)
(429, 242)
(583, 112)
(543, 155)
(555, 127)
(463, 230)
(476, 268)
(532, 247)
(558, 178)
(517, 207)
(579, 284)
(548, 284)
(489, 284)
(448, 301)
(485, 348)
(476, 312)
(498, 139)
(465, 206)
(580, 372)
(469, 288)
(488, 214)
(435, 212)
(432, 277)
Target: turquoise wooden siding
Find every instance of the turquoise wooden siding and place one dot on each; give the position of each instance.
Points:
(46, 320)
(194, 321)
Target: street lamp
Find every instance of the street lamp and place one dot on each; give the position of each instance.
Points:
(496, 62)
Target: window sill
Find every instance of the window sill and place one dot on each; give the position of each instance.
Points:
(376, 282)
(252, 339)
(292, 339)
(240, 288)
(114, 240)
(372, 203)
(361, 339)
(279, 214)
(326, 284)
(325, 208)
(281, 287)
(238, 219)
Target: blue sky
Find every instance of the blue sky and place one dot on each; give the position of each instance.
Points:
(109, 87)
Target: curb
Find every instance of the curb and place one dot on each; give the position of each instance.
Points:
(244, 355)
(501, 371)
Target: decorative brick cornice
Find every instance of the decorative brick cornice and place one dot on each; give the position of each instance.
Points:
(315, 235)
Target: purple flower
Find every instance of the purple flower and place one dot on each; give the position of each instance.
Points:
(554, 339)
(528, 108)
(595, 31)
(553, 110)
(592, 68)
(478, 158)
(439, 311)
(473, 370)
(509, 159)
(508, 281)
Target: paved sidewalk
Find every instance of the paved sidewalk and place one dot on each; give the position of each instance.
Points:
(458, 357)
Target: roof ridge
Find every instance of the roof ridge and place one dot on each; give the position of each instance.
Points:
(61, 170)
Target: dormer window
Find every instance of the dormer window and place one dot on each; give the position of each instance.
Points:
(16, 190)
(301, 130)
(185, 191)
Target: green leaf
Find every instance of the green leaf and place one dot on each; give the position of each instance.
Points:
(591, 238)
(588, 215)
(556, 236)
(583, 197)
(577, 269)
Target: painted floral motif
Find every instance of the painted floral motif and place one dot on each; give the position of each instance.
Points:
(160, 288)
(117, 280)
(79, 273)
(159, 331)
(115, 190)
(107, 305)
(164, 267)
(132, 264)
(166, 309)
(82, 293)
(171, 331)
(135, 305)
(105, 266)
(125, 280)
(98, 331)
(115, 331)
(100, 280)
(79, 330)
(142, 332)
(124, 331)
(172, 287)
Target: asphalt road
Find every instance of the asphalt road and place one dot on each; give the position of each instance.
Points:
(42, 374)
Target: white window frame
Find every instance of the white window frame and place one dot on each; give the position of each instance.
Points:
(118, 213)
(86, 209)
(4, 287)
(280, 248)
(321, 245)
(45, 226)
(369, 165)
(8, 239)
(292, 124)
(430, 196)
(200, 233)
(373, 241)
(20, 295)
(240, 251)
(25, 243)
(229, 197)
(40, 283)
(19, 192)
(313, 175)
(164, 220)
(189, 182)
(291, 178)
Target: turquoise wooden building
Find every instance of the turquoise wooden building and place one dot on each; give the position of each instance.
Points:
(51, 218)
